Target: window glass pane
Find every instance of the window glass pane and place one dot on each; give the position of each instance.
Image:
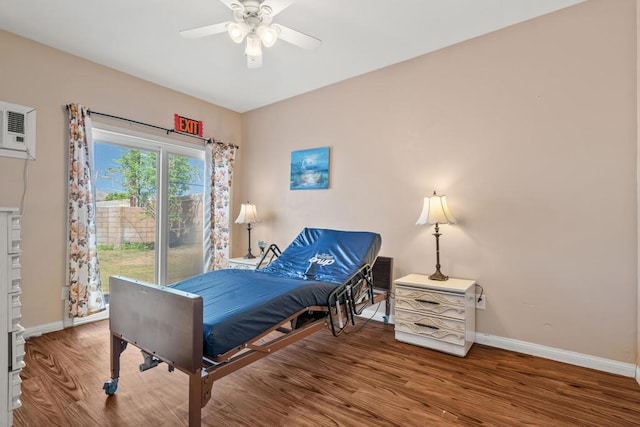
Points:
(125, 212)
(186, 191)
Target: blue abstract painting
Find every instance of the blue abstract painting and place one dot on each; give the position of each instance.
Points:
(310, 169)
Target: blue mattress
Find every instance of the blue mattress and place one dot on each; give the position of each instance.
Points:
(239, 305)
(326, 255)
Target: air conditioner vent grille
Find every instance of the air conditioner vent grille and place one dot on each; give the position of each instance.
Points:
(17, 131)
(15, 122)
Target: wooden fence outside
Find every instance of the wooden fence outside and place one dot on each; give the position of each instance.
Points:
(117, 223)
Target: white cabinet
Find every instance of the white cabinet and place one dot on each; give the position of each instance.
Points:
(246, 263)
(11, 348)
(436, 314)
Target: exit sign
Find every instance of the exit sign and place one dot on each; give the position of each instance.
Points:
(186, 125)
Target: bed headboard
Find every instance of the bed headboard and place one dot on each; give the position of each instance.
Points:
(383, 273)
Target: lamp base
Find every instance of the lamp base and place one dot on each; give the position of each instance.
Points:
(249, 255)
(438, 276)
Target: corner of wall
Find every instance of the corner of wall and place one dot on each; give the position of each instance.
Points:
(638, 189)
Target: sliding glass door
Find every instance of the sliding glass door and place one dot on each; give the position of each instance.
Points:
(185, 250)
(125, 211)
(149, 210)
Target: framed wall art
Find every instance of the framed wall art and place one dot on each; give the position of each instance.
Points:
(310, 169)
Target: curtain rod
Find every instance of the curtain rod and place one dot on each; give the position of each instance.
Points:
(168, 131)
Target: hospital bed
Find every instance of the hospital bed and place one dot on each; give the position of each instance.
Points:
(210, 325)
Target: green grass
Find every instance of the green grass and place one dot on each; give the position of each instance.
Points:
(137, 262)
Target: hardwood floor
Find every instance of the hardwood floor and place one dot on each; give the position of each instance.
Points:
(361, 379)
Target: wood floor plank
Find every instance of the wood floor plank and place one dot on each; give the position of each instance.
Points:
(358, 379)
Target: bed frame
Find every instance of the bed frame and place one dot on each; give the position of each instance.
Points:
(168, 328)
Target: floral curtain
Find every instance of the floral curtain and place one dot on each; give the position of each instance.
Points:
(85, 291)
(219, 170)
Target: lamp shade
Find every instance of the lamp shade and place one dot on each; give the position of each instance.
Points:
(435, 211)
(248, 214)
(268, 35)
(237, 31)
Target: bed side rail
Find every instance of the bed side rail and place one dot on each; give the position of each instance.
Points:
(272, 252)
(350, 299)
(162, 321)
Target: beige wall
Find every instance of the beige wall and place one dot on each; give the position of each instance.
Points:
(523, 129)
(531, 133)
(47, 79)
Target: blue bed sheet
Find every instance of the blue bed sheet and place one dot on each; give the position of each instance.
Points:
(239, 305)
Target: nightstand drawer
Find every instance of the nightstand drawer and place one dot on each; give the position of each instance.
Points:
(430, 327)
(248, 263)
(14, 311)
(433, 302)
(244, 263)
(239, 266)
(13, 276)
(430, 321)
(14, 230)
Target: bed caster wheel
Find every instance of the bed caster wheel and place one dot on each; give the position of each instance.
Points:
(385, 319)
(110, 387)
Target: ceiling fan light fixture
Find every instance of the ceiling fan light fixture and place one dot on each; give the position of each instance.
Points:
(237, 31)
(268, 35)
(254, 47)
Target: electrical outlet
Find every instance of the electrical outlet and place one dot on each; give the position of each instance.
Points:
(481, 305)
(65, 293)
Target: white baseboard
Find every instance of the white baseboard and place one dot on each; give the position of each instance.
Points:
(559, 355)
(36, 331)
(376, 312)
(638, 374)
(104, 314)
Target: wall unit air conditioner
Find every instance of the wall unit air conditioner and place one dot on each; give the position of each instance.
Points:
(17, 131)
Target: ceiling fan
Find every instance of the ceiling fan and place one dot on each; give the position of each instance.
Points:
(253, 23)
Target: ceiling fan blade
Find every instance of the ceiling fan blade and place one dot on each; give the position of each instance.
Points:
(233, 4)
(207, 30)
(297, 38)
(273, 7)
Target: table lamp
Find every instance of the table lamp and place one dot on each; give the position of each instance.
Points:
(248, 215)
(436, 211)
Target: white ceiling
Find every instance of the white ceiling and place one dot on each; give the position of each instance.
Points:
(140, 37)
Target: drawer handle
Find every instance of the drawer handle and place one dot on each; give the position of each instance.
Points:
(427, 301)
(426, 326)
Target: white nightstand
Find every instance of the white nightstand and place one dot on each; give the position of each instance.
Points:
(436, 314)
(245, 263)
